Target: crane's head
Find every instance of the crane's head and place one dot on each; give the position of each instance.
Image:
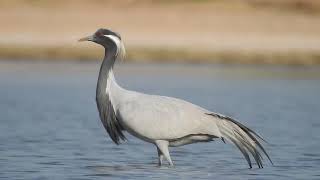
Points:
(108, 39)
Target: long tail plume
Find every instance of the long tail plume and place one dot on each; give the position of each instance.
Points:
(246, 140)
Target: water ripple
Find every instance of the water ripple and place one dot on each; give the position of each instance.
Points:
(50, 129)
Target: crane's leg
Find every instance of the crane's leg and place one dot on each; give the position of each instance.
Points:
(160, 156)
(163, 146)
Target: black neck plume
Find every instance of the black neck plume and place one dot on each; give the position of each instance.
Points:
(106, 111)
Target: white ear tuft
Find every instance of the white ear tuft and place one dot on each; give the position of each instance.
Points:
(121, 52)
(115, 39)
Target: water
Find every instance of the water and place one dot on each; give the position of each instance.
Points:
(49, 126)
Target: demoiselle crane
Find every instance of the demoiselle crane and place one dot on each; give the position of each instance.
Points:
(160, 120)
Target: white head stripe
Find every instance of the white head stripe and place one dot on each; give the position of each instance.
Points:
(115, 39)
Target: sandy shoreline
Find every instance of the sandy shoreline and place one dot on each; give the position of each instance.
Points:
(192, 32)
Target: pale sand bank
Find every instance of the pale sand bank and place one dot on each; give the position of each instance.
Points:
(192, 32)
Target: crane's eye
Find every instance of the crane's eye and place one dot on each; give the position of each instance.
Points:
(99, 34)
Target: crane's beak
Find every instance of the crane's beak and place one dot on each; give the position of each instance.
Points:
(88, 38)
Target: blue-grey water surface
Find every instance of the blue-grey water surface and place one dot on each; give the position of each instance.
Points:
(49, 125)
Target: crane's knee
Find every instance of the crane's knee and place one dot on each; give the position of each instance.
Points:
(163, 146)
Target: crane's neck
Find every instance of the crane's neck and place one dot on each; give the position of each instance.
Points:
(106, 76)
(107, 95)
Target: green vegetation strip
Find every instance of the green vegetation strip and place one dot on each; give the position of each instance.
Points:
(141, 54)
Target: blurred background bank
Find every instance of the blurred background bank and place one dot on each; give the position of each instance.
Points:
(218, 31)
